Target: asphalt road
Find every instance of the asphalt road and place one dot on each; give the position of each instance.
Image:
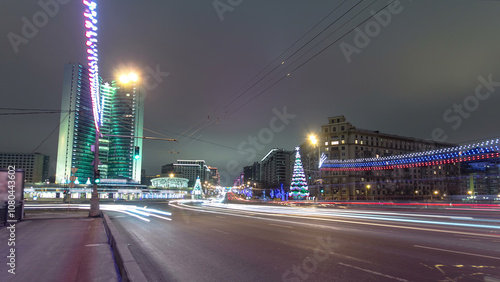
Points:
(258, 243)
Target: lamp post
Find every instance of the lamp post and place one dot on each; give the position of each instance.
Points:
(315, 141)
(94, 200)
(367, 190)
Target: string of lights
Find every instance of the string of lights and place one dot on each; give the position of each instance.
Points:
(465, 153)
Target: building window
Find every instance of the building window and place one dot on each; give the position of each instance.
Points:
(335, 142)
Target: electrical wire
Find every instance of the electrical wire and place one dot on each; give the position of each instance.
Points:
(277, 58)
(52, 132)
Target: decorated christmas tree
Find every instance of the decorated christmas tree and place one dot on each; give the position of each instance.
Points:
(197, 192)
(298, 187)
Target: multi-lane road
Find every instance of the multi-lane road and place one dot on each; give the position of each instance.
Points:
(219, 242)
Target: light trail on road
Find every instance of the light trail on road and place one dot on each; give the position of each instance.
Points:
(374, 218)
(135, 211)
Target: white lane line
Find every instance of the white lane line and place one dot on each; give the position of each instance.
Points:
(94, 245)
(351, 258)
(373, 272)
(224, 232)
(158, 216)
(279, 225)
(456, 252)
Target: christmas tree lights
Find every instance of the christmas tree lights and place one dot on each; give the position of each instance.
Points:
(197, 192)
(298, 187)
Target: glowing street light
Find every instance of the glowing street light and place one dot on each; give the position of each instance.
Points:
(313, 139)
(127, 78)
(315, 142)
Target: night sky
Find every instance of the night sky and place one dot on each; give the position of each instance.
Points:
(425, 63)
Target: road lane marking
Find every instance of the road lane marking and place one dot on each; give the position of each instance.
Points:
(374, 272)
(456, 252)
(162, 217)
(224, 232)
(94, 245)
(351, 258)
(279, 225)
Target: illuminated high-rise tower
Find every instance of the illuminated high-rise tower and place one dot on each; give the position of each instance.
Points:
(123, 108)
(76, 130)
(120, 153)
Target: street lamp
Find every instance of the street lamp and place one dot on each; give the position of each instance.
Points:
(435, 193)
(127, 78)
(315, 141)
(367, 190)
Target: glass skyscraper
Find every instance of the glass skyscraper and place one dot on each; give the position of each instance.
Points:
(123, 118)
(76, 129)
(123, 112)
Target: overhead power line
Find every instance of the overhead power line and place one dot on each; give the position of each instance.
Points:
(272, 70)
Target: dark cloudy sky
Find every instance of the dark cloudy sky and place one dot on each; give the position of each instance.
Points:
(413, 71)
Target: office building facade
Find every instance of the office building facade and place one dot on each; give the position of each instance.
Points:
(123, 109)
(35, 166)
(122, 118)
(276, 168)
(76, 129)
(340, 140)
(252, 173)
(190, 169)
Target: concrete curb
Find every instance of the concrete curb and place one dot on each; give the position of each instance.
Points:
(129, 269)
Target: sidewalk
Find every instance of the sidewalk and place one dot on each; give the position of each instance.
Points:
(58, 246)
